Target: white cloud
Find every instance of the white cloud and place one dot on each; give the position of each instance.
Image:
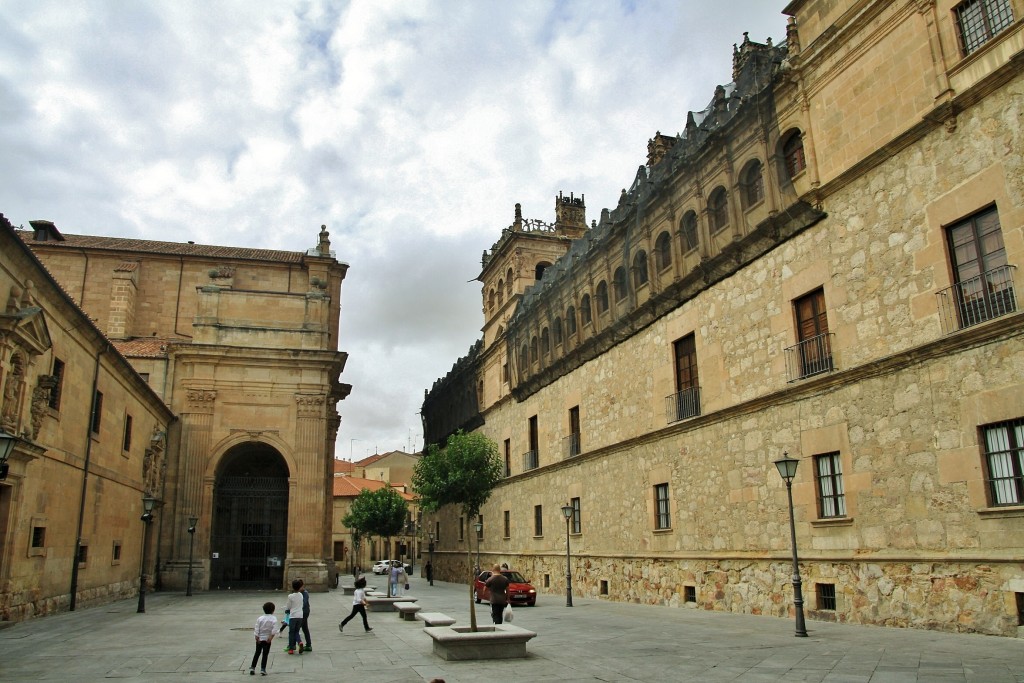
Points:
(409, 127)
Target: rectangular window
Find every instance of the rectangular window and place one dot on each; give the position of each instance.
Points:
(814, 347)
(604, 587)
(831, 497)
(826, 596)
(574, 521)
(531, 459)
(126, 444)
(574, 431)
(983, 283)
(97, 411)
(1004, 460)
(1020, 609)
(504, 373)
(83, 555)
(508, 457)
(480, 528)
(507, 525)
(689, 594)
(538, 520)
(685, 403)
(58, 387)
(38, 537)
(977, 21)
(663, 518)
(116, 555)
(462, 529)
(437, 532)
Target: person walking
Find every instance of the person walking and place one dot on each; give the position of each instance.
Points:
(305, 618)
(393, 576)
(359, 604)
(429, 569)
(293, 608)
(497, 586)
(264, 631)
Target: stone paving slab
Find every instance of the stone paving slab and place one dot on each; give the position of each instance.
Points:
(207, 638)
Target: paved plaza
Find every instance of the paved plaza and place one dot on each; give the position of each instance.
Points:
(208, 637)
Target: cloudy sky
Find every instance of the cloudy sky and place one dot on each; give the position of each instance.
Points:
(409, 127)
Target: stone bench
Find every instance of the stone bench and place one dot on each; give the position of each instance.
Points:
(500, 641)
(349, 589)
(435, 619)
(407, 610)
(380, 603)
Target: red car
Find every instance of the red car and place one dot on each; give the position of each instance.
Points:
(520, 591)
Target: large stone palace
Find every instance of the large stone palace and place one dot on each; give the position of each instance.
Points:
(822, 265)
(192, 386)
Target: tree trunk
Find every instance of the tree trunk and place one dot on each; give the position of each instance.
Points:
(472, 588)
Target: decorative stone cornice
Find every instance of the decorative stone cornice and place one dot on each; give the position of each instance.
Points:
(310, 405)
(201, 398)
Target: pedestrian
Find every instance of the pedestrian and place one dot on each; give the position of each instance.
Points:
(305, 618)
(393, 577)
(359, 604)
(429, 568)
(265, 630)
(293, 608)
(497, 585)
(403, 580)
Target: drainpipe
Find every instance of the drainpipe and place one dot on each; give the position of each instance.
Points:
(85, 478)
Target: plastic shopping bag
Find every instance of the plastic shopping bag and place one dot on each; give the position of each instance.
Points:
(506, 614)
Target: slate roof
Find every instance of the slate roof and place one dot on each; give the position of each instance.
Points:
(166, 248)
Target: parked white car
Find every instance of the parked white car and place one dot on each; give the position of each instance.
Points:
(382, 566)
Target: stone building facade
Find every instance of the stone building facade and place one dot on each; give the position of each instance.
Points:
(822, 264)
(241, 345)
(90, 443)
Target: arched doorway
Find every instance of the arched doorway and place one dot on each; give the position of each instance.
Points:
(250, 519)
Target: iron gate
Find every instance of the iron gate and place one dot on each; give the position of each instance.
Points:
(250, 532)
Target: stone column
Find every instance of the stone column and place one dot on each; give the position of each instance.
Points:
(309, 494)
(194, 454)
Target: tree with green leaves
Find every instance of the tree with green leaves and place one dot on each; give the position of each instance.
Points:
(463, 474)
(379, 513)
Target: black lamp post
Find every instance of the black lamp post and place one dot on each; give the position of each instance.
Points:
(787, 470)
(147, 503)
(567, 512)
(192, 521)
(430, 551)
(479, 532)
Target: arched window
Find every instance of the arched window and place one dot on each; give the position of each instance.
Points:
(585, 313)
(640, 269)
(718, 209)
(620, 284)
(490, 299)
(556, 331)
(752, 182)
(538, 271)
(689, 230)
(501, 331)
(501, 292)
(570, 321)
(508, 282)
(793, 154)
(663, 251)
(602, 296)
(533, 349)
(524, 361)
(545, 342)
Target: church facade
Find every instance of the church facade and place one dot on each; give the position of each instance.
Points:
(240, 348)
(822, 265)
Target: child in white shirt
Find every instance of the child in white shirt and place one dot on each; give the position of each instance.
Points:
(359, 604)
(264, 631)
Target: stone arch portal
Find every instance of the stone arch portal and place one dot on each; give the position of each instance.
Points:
(250, 519)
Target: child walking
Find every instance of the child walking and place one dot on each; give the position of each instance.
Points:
(305, 619)
(265, 630)
(293, 608)
(358, 605)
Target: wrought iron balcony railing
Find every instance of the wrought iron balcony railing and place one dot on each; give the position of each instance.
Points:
(810, 357)
(977, 299)
(531, 460)
(683, 404)
(571, 445)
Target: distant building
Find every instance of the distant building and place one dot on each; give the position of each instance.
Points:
(822, 263)
(348, 555)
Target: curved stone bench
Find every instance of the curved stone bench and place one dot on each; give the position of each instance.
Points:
(407, 610)
(500, 641)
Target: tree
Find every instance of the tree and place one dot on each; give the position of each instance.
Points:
(378, 513)
(463, 473)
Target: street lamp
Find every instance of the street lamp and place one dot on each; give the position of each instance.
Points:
(147, 503)
(567, 512)
(430, 551)
(479, 526)
(7, 443)
(192, 521)
(787, 470)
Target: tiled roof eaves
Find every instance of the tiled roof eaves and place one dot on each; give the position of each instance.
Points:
(165, 248)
